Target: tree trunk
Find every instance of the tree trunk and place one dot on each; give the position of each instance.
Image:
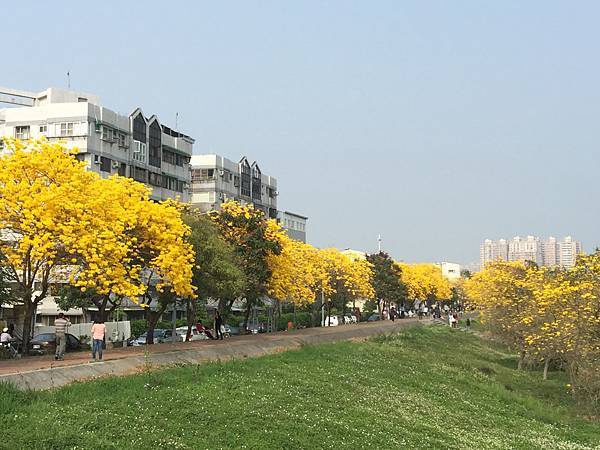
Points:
(249, 305)
(28, 313)
(191, 317)
(546, 364)
(152, 321)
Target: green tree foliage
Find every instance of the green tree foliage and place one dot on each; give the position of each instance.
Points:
(218, 273)
(247, 229)
(387, 280)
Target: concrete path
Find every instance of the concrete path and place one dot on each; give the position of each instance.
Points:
(44, 373)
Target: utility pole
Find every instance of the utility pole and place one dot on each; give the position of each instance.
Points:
(174, 322)
(68, 79)
(379, 243)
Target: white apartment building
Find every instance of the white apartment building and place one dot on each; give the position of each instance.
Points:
(133, 145)
(450, 271)
(528, 249)
(549, 252)
(294, 224)
(216, 179)
(493, 251)
(568, 249)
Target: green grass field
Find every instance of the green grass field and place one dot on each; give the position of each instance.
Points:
(428, 387)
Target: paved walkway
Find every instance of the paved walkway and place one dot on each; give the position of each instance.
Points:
(43, 372)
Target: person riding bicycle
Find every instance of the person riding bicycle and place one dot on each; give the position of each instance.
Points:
(6, 340)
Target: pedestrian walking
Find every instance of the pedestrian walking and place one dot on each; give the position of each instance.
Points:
(98, 333)
(393, 313)
(218, 325)
(60, 330)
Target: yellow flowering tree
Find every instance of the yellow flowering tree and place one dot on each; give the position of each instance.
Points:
(297, 273)
(61, 223)
(43, 195)
(425, 282)
(503, 296)
(348, 278)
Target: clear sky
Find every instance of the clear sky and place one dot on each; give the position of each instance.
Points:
(436, 124)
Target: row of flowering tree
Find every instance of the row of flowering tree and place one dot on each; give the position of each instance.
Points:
(283, 268)
(547, 315)
(59, 221)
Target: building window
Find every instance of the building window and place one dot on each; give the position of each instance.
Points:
(105, 164)
(168, 156)
(139, 151)
(108, 134)
(172, 184)
(154, 156)
(64, 129)
(155, 179)
(43, 129)
(139, 174)
(22, 132)
(122, 169)
(203, 175)
(122, 140)
(139, 128)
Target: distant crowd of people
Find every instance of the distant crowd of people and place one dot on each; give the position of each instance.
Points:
(422, 311)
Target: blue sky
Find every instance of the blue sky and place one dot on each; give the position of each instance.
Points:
(436, 124)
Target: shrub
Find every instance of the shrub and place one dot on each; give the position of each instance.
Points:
(138, 327)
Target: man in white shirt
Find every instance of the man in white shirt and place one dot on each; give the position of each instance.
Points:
(6, 341)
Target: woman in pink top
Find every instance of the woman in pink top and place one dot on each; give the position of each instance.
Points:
(98, 331)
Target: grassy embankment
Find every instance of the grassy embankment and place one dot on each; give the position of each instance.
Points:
(426, 388)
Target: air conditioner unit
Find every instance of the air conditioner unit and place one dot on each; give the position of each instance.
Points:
(97, 159)
(115, 164)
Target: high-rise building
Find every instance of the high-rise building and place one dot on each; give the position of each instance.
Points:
(493, 251)
(549, 252)
(133, 145)
(528, 249)
(568, 249)
(216, 179)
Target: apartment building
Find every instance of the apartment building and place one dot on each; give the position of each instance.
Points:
(549, 252)
(216, 179)
(493, 251)
(525, 249)
(294, 224)
(568, 249)
(134, 145)
(450, 271)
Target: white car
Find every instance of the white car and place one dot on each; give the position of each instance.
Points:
(331, 321)
(196, 335)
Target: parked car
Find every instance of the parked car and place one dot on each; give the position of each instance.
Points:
(45, 343)
(196, 335)
(331, 321)
(374, 317)
(231, 330)
(160, 336)
(254, 328)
